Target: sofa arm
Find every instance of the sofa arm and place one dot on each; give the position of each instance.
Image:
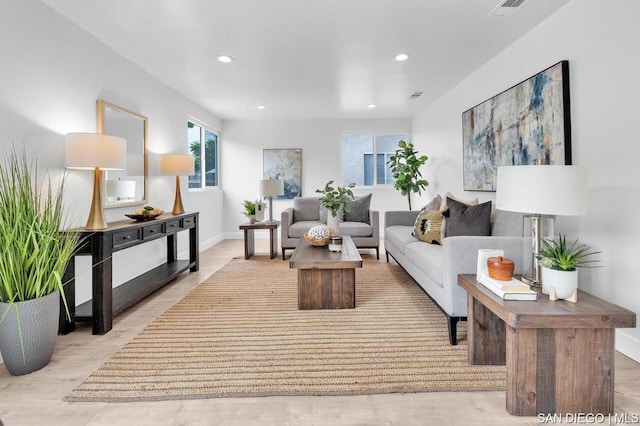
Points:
(400, 217)
(374, 221)
(461, 257)
(286, 220)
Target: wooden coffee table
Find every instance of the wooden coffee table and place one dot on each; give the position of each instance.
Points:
(559, 355)
(326, 280)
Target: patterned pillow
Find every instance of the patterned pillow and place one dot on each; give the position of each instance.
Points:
(428, 226)
(357, 210)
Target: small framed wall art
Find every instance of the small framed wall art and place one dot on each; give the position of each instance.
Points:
(526, 124)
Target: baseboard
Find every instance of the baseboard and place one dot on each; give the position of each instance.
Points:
(628, 344)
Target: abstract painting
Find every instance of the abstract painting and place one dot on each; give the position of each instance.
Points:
(528, 123)
(285, 164)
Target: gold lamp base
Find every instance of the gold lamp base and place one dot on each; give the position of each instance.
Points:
(96, 213)
(177, 203)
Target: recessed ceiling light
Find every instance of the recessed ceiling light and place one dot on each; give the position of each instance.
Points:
(262, 107)
(401, 57)
(225, 59)
(371, 106)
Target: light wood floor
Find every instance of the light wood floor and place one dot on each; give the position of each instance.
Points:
(36, 399)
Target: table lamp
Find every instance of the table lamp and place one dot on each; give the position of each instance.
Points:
(270, 188)
(540, 192)
(177, 165)
(92, 151)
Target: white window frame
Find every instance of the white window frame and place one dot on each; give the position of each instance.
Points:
(204, 128)
(375, 136)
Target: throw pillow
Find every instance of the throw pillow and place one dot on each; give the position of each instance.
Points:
(468, 220)
(428, 226)
(357, 209)
(324, 213)
(434, 204)
(443, 204)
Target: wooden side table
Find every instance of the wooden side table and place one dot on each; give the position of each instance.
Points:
(559, 355)
(249, 238)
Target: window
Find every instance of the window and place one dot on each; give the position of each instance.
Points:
(203, 145)
(358, 154)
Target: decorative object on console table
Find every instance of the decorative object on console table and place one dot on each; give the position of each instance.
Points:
(271, 188)
(559, 262)
(285, 165)
(177, 165)
(33, 255)
(91, 151)
(528, 122)
(542, 191)
(405, 167)
(335, 200)
(500, 268)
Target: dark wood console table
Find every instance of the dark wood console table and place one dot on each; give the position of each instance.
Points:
(101, 244)
(559, 355)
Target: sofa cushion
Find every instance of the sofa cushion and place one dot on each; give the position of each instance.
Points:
(306, 208)
(357, 209)
(297, 229)
(428, 257)
(428, 226)
(356, 229)
(400, 236)
(468, 220)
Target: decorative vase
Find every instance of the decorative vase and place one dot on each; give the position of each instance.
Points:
(252, 218)
(38, 320)
(560, 284)
(259, 212)
(333, 222)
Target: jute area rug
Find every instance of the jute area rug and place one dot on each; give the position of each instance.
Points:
(240, 333)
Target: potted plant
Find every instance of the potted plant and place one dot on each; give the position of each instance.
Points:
(34, 251)
(335, 199)
(250, 209)
(405, 168)
(559, 261)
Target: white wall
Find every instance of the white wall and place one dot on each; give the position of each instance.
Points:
(600, 40)
(52, 73)
(320, 141)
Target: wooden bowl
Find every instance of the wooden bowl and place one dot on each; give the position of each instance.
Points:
(315, 242)
(500, 268)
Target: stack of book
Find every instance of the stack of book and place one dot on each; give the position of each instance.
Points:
(508, 290)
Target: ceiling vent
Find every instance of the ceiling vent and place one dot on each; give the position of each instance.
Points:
(415, 95)
(506, 7)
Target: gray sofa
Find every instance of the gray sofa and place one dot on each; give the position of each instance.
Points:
(305, 213)
(436, 267)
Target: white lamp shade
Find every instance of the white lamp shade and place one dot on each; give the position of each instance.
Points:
(542, 189)
(271, 187)
(121, 188)
(177, 164)
(90, 150)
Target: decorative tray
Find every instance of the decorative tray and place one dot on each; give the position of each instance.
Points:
(144, 214)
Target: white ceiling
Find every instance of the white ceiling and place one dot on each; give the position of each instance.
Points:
(306, 58)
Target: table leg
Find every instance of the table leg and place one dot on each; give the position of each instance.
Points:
(249, 246)
(486, 335)
(273, 242)
(102, 290)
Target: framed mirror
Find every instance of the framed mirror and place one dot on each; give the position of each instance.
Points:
(125, 187)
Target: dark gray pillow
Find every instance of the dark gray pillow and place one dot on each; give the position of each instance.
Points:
(467, 220)
(357, 210)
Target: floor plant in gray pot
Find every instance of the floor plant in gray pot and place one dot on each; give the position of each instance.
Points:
(34, 251)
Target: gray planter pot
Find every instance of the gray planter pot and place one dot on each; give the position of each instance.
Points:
(39, 325)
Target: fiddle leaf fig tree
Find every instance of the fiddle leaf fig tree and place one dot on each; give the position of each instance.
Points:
(405, 167)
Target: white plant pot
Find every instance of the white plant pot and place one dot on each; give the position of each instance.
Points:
(333, 222)
(562, 284)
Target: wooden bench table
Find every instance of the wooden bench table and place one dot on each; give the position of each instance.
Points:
(326, 280)
(559, 355)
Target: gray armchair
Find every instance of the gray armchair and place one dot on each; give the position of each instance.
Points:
(305, 213)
